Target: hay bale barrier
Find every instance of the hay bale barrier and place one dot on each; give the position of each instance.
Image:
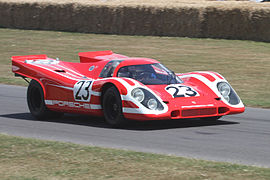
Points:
(182, 21)
(237, 23)
(101, 19)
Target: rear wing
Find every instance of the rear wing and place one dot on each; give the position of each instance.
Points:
(95, 56)
(37, 66)
(28, 57)
(23, 61)
(41, 59)
(24, 66)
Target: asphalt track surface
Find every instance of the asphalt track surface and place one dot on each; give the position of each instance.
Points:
(242, 139)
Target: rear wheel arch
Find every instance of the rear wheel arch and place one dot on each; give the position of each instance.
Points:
(36, 102)
(35, 79)
(42, 86)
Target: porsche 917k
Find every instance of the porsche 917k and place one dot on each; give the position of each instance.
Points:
(119, 87)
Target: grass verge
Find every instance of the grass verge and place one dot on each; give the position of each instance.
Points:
(30, 159)
(245, 64)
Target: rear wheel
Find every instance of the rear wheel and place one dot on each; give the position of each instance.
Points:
(36, 104)
(215, 118)
(112, 107)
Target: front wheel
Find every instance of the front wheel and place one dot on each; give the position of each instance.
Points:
(112, 107)
(36, 104)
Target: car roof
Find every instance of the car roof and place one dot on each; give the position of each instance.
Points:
(137, 61)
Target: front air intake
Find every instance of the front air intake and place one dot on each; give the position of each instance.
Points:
(199, 112)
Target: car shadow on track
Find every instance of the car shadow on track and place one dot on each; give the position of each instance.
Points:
(131, 125)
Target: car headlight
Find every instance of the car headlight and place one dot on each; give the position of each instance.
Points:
(147, 99)
(225, 90)
(228, 93)
(138, 94)
(152, 104)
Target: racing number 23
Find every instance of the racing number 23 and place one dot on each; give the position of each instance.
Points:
(181, 91)
(81, 91)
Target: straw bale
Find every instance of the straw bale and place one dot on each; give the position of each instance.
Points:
(237, 23)
(186, 20)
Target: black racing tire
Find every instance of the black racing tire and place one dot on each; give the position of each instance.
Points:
(214, 118)
(112, 108)
(36, 104)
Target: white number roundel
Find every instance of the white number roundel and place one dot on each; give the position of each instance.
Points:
(81, 91)
(177, 90)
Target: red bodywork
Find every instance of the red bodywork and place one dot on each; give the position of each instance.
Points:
(64, 83)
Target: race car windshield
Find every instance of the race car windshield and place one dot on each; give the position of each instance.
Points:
(149, 74)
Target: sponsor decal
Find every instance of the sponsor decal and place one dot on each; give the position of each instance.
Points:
(91, 68)
(42, 61)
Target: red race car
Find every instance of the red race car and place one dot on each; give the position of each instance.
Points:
(120, 87)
